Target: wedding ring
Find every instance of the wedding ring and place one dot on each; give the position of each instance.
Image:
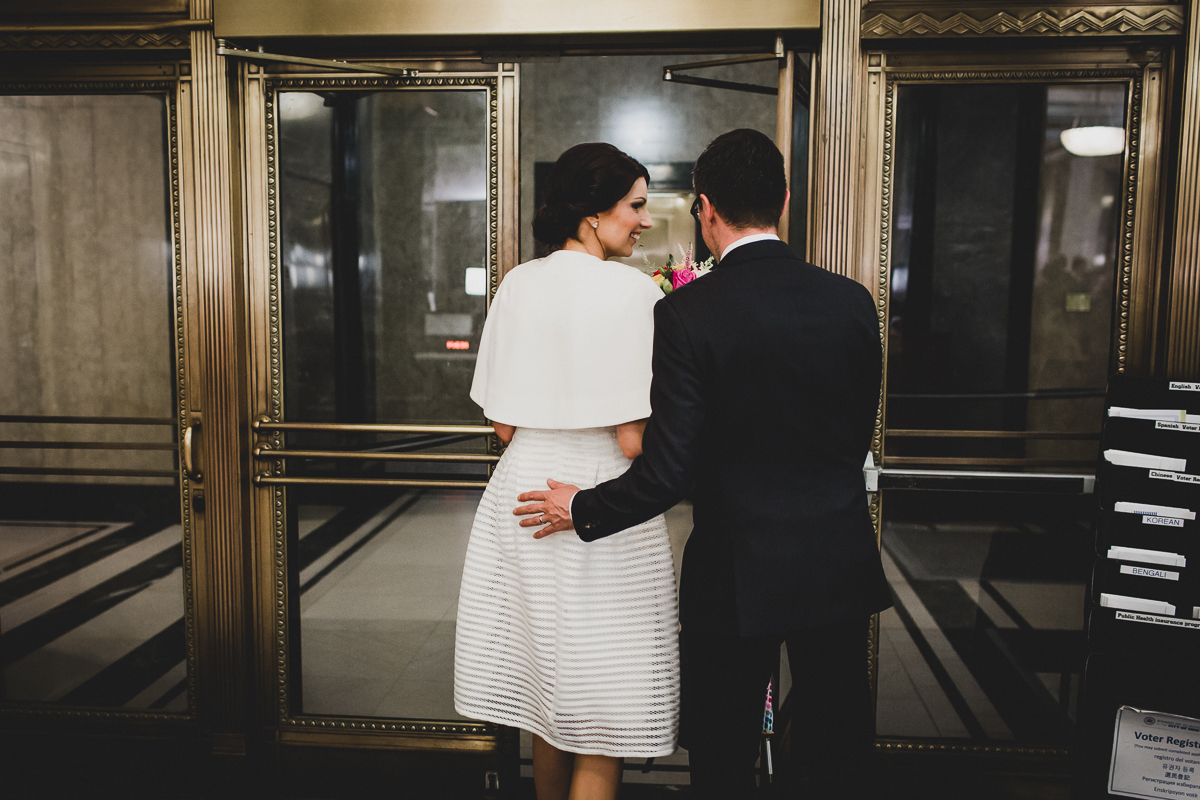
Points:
(542, 519)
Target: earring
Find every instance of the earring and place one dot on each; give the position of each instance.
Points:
(596, 224)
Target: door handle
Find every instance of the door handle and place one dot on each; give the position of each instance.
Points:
(189, 453)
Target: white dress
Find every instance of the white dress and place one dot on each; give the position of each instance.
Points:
(576, 642)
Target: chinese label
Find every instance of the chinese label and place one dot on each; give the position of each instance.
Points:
(1155, 755)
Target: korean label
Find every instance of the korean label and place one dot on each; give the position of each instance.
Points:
(1167, 522)
(1149, 572)
(1187, 427)
(1155, 755)
(1177, 386)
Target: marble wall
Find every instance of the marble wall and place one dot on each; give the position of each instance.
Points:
(85, 275)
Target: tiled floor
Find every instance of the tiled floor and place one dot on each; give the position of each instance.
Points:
(977, 647)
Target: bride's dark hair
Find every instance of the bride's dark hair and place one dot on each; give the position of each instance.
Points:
(587, 179)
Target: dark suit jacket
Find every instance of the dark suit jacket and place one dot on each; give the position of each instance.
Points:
(766, 383)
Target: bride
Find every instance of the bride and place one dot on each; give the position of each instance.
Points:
(574, 642)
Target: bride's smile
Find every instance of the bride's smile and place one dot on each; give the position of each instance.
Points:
(618, 229)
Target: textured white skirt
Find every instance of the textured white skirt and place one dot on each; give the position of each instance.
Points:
(576, 642)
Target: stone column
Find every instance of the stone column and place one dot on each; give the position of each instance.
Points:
(221, 635)
(835, 133)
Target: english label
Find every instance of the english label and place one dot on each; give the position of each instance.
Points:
(1177, 386)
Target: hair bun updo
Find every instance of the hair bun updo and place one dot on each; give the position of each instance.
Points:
(587, 179)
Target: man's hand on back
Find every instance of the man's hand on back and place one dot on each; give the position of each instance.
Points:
(553, 509)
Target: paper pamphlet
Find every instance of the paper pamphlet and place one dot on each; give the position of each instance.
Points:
(1164, 414)
(1125, 458)
(1154, 755)
(1153, 510)
(1136, 604)
(1147, 556)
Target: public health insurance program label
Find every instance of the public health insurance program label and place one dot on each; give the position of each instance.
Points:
(1155, 755)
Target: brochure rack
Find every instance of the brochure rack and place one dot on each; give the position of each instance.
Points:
(1143, 620)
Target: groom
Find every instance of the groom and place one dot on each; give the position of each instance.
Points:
(766, 384)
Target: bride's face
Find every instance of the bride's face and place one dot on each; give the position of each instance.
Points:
(621, 225)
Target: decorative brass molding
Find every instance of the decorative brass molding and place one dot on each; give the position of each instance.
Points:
(953, 746)
(271, 88)
(1182, 347)
(833, 230)
(96, 40)
(181, 402)
(168, 89)
(1157, 20)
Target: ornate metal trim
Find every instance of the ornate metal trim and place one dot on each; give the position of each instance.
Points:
(96, 40)
(954, 746)
(1156, 20)
(381, 726)
(272, 87)
(168, 89)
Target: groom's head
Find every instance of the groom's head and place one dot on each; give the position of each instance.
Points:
(741, 174)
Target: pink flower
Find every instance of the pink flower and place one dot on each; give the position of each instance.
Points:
(681, 276)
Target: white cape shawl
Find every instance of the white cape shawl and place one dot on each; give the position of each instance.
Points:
(567, 344)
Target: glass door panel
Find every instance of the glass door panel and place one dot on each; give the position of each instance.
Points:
(623, 100)
(92, 609)
(386, 257)
(1005, 251)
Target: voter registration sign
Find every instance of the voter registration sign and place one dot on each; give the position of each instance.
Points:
(1155, 755)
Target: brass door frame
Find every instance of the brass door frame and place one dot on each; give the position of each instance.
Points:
(169, 80)
(260, 88)
(1136, 288)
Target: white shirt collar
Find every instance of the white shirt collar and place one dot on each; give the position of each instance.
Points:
(754, 237)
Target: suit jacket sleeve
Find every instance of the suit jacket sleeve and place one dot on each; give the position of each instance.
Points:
(665, 471)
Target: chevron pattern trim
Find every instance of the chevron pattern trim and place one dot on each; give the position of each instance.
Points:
(1096, 21)
(100, 40)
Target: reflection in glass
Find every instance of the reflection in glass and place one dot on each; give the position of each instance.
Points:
(384, 256)
(91, 580)
(1004, 254)
(623, 100)
(1003, 262)
(384, 201)
(985, 639)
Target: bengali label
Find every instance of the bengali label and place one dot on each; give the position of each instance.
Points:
(1149, 572)
(1168, 522)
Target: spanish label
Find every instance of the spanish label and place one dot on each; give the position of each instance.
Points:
(1169, 522)
(1177, 426)
(1177, 386)
(1149, 572)
(1155, 619)
(1154, 755)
